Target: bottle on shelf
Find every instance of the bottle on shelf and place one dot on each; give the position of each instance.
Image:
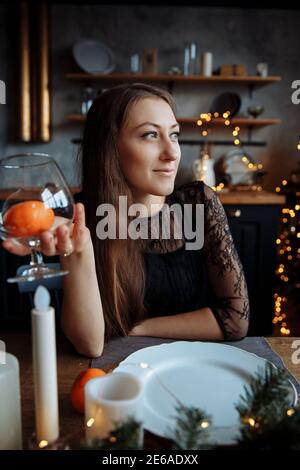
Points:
(190, 59)
(203, 167)
(88, 95)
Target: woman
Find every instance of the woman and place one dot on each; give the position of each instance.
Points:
(150, 287)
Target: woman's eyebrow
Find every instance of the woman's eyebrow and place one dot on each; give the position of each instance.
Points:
(156, 125)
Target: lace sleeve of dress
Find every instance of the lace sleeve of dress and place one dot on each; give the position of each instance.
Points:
(224, 269)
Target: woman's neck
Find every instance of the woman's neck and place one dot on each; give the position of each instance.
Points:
(152, 203)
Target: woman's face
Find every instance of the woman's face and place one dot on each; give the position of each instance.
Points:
(149, 149)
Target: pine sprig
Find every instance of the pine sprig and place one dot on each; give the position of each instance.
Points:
(284, 434)
(268, 389)
(265, 411)
(191, 429)
(126, 436)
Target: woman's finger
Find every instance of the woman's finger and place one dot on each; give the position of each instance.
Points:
(47, 244)
(79, 219)
(80, 232)
(15, 249)
(64, 244)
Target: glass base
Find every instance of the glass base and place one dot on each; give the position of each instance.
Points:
(37, 272)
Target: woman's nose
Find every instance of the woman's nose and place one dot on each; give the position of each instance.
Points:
(170, 150)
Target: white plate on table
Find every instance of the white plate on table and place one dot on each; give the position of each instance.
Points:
(210, 376)
(94, 56)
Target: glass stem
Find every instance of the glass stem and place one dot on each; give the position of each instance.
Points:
(36, 257)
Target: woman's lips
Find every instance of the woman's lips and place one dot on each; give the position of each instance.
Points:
(165, 172)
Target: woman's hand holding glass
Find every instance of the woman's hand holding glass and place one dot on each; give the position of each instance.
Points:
(37, 215)
(64, 241)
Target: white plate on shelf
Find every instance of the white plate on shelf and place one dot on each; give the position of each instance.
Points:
(94, 56)
(210, 376)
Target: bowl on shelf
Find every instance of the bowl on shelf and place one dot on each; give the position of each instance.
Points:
(226, 102)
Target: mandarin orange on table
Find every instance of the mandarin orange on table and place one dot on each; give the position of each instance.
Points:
(28, 218)
(77, 391)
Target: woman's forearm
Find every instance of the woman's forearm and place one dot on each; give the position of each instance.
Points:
(198, 325)
(82, 315)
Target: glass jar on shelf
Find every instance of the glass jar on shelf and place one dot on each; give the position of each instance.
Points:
(190, 61)
(203, 167)
(87, 98)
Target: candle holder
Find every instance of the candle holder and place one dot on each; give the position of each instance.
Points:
(35, 444)
(72, 441)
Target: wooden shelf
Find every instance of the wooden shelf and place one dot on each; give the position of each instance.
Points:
(243, 122)
(250, 197)
(76, 117)
(246, 80)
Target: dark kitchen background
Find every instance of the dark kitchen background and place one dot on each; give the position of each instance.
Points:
(237, 37)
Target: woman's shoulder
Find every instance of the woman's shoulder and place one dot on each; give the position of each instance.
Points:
(194, 192)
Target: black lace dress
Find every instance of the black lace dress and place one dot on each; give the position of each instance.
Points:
(180, 280)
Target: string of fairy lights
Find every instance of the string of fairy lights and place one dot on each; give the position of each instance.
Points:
(285, 248)
(289, 252)
(204, 122)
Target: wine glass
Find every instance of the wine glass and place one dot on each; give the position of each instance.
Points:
(37, 199)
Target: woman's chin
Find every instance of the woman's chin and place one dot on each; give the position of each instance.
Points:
(164, 188)
(163, 191)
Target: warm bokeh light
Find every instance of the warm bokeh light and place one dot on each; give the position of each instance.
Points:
(43, 444)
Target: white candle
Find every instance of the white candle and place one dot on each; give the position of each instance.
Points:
(111, 400)
(206, 64)
(44, 367)
(10, 404)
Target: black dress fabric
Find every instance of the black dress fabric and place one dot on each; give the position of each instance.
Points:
(180, 280)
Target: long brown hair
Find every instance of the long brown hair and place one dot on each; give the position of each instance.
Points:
(119, 263)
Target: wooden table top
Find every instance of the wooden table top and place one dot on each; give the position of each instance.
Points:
(70, 364)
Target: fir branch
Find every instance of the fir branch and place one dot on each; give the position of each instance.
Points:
(283, 435)
(126, 436)
(191, 429)
(263, 411)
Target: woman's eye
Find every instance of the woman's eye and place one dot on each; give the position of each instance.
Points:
(175, 135)
(154, 135)
(150, 134)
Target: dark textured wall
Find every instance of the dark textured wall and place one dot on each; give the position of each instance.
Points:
(233, 35)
